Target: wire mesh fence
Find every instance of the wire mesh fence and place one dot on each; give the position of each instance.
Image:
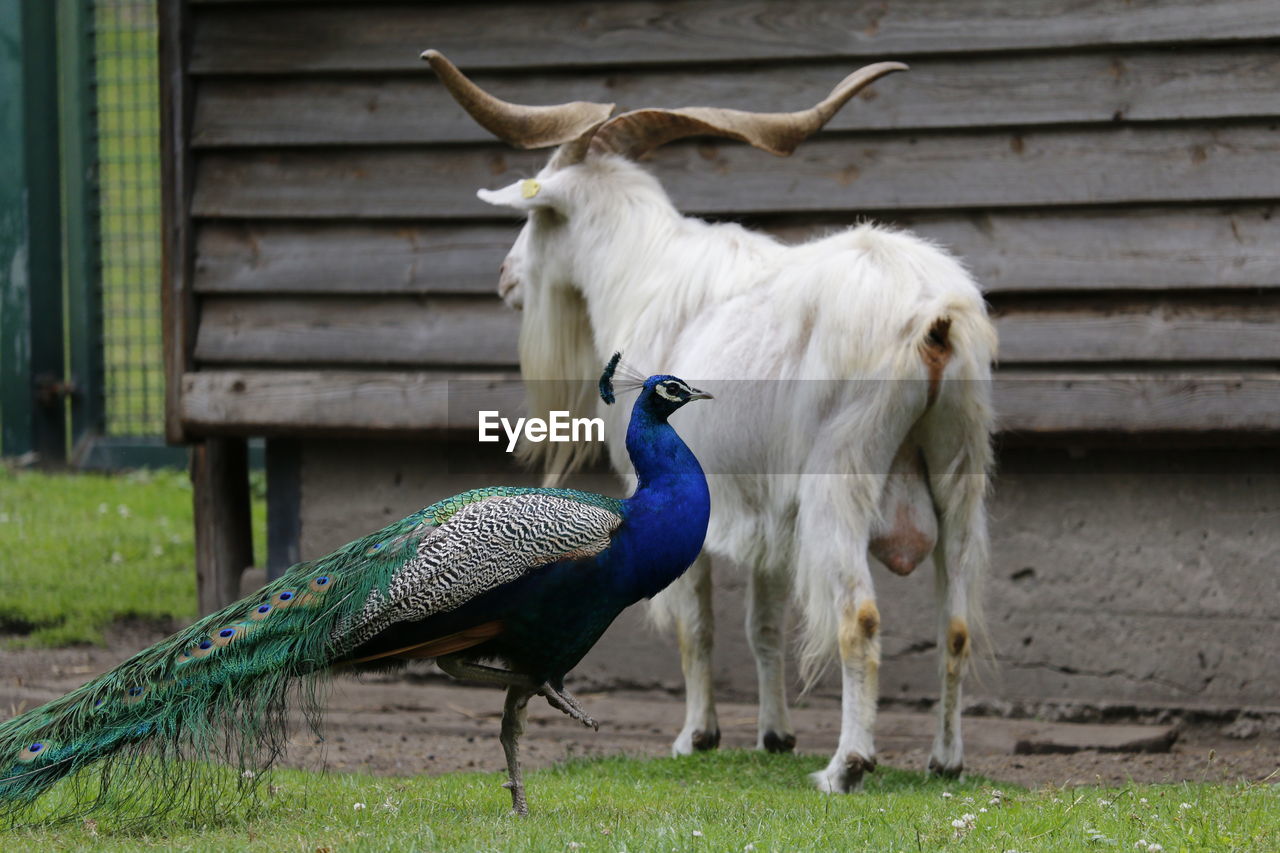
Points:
(126, 57)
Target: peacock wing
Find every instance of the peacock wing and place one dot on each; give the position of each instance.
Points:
(478, 546)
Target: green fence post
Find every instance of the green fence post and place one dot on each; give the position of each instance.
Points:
(32, 413)
(78, 116)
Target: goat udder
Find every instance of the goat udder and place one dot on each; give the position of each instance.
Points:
(905, 545)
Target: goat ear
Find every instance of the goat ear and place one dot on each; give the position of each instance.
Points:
(529, 194)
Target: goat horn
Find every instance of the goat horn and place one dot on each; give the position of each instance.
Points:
(517, 124)
(632, 134)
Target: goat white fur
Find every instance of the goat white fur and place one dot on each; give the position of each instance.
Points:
(893, 428)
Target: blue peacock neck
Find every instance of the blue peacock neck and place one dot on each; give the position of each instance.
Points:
(667, 514)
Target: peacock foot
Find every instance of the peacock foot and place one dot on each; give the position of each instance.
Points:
(519, 808)
(563, 701)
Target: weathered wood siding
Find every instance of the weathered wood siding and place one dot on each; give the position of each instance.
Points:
(1109, 170)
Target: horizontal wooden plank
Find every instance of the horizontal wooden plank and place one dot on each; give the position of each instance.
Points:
(1215, 330)
(418, 331)
(399, 330)
(235, 257)
(300, 402)
(970, 92)
(373, 36)
(1137, 402)
(835, 172)
(1108, 249)
(1077, 250)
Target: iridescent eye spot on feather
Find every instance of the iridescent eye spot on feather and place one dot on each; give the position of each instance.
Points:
(284, 598)
(225, 636)
(321, 583)
(134, 695)
(202, 648)
(32, 752)
(261, 612)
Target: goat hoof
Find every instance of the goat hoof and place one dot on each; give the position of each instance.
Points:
(843, 777)
(937, 768)
(774, 742)
(706, 741)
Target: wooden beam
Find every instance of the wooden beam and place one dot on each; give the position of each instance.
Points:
(971, 91)
(1089, 249)
(411, 331)
(238, 38)
(833, 172)
(1108, 249)
(1137, 401)
(223, 529)
(1071, 330)
(372, 403)
(460, 332)
(340, 402)
(304, 257)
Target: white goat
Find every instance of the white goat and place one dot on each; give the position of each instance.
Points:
(884, 449)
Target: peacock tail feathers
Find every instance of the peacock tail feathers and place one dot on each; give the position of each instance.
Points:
(221, 688)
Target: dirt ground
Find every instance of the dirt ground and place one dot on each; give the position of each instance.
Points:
(420, 722)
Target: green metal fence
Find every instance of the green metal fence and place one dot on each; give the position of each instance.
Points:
(128, 148)
(81, 368)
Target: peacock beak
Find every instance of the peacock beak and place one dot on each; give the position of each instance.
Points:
(699, 395)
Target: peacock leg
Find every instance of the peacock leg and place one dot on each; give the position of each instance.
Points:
(514, 712)
(563, 701)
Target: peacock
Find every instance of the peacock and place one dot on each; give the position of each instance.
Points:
(502, 585)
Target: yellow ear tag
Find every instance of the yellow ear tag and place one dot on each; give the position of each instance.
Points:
(529, 188)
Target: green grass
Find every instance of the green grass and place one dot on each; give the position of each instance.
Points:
(81, 551)
(717, 802)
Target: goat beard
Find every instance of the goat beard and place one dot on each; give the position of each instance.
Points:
(561, 369)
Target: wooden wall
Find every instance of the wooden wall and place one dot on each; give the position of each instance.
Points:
(1110, 171)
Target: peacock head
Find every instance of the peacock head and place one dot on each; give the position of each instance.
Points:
(660, 395)
(663, 394)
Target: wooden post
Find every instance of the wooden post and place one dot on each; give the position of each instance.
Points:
(177, 164)
(224, 534)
